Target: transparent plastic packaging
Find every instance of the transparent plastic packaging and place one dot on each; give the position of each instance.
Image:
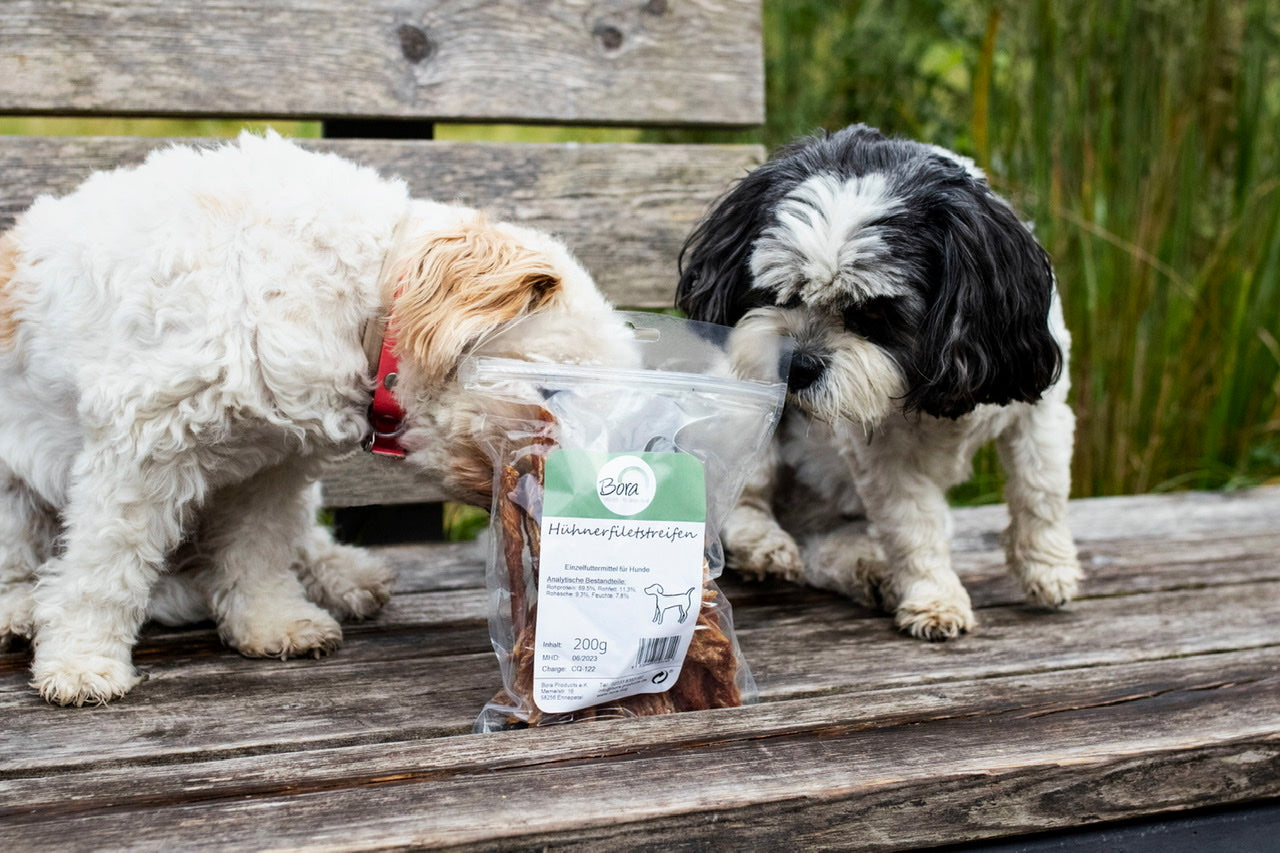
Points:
(694, 392)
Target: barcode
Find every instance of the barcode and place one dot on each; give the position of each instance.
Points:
(657, 650)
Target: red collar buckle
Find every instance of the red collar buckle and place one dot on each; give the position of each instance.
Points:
(386, 417)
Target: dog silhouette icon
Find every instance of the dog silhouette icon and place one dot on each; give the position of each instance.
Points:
(664, 601)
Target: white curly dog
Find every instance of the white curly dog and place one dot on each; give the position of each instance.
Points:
(183, 346)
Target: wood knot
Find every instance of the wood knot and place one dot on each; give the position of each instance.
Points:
(610, 36)
(414, 43)
(656, 8)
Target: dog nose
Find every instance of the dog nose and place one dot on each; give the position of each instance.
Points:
(805, 370)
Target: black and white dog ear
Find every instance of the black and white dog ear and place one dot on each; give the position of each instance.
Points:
(986, 338)
(715, 272)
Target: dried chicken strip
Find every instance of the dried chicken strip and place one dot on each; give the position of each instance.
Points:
(510, 519)
(708, 678)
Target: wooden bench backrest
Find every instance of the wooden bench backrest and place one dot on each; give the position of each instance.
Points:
(626, 62)
(377, 68)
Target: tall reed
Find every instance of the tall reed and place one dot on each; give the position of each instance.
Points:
(1143, 136)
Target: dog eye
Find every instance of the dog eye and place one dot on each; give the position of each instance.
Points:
(873, 320)
(854, 321)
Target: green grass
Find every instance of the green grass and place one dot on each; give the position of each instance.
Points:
(1142, 136)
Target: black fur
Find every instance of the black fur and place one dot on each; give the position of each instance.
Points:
(977, 330)
(986, 337)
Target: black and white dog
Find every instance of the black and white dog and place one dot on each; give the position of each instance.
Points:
(927, 323)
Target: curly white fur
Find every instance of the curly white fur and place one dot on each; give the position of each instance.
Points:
(180, 352)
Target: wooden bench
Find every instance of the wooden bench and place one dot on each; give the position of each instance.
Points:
(1157, 692)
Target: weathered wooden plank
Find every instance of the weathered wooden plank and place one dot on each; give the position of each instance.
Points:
(1112, 567)
(436, 566)
(42, 795)
(815, 772)
(572, 61)
(1159, 695)
(367, 480)
(623, 209)
(360, 481)
(1184, 515)
(812, 650)
(1127, 544)
(430, 672)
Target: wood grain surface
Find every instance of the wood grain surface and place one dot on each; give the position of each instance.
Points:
(672, 62)
(1157, 691)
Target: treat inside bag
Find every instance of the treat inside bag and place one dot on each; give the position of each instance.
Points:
(610, 485)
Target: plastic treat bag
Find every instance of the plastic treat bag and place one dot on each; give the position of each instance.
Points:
(610, 487)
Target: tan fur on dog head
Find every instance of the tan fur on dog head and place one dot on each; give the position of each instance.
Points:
(458, 286)
(8, 301)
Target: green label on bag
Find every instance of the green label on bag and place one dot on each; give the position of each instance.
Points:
(639, 486)
(620, 583)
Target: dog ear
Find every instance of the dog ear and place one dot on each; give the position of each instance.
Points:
(715, 270)
(986, 335)
(457, 286)
(8, 304)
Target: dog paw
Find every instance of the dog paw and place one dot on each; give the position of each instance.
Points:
(348, 582)
(935, 620)
(16, 620)
(774, 554)
(83, 679)
(1050, 585)
(871, 587)
(361, 602)
(850, 563)
(309, 631)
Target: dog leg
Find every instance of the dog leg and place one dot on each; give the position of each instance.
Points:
(847, 560)
(254, 532)
(182, 598)
(755, 544)
(349, 582)
(184, 594)
(1036, 454)
(123, 517)
(910, 516)
(27, 531)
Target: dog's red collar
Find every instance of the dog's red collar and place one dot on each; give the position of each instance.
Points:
(386, 416)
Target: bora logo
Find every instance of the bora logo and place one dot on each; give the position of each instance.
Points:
(626, 485)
